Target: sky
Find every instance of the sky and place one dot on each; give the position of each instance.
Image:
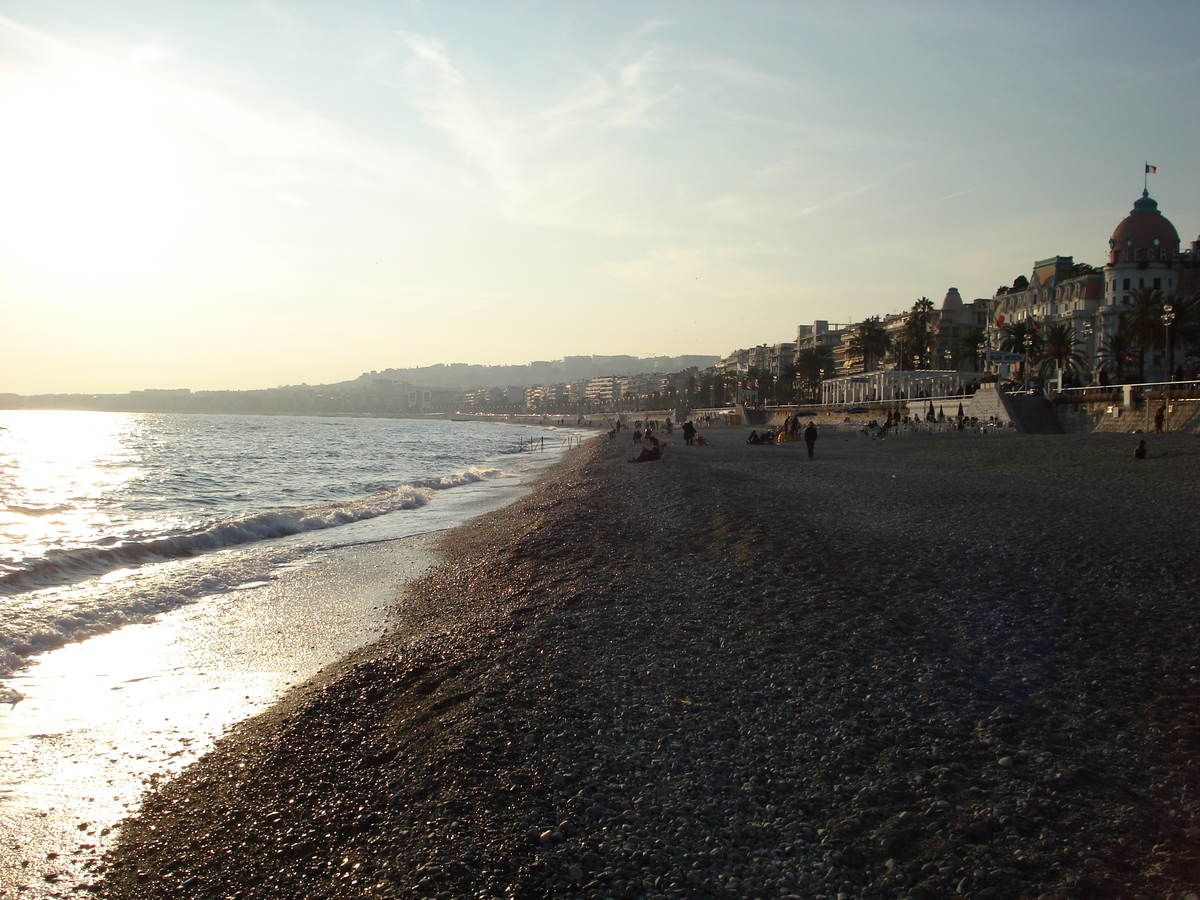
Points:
(240, 195)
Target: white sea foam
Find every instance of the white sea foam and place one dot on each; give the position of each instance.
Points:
(65, 566)
(125, 545)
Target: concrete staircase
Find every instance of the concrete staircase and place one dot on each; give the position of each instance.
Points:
(1032, 414)
(751, 416)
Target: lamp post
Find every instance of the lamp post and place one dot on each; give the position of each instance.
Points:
(1168, 316)
(1028, 354)
(1087, 346)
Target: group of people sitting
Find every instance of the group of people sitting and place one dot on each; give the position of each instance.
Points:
(789, 432)
(652, 449)
(770, 436)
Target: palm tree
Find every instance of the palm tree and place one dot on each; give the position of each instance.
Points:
(901, 351)
(971, 351)
(1021, 337)
(1143, 324)
(824, 354)
(1061, 350)
(1117, 351)
(766, 386)
(813, 366)
(1185, 325)
(919, 328)
(868, 342)
(788, 374)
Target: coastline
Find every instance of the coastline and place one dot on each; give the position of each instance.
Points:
(943, 665)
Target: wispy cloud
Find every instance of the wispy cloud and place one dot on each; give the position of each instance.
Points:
(978, 187)
(447, 101)
(839, 197)
(258, 143)
(17, 37)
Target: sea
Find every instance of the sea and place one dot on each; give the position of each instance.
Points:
(164, 577)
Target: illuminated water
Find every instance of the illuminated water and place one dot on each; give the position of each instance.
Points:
(164, 577)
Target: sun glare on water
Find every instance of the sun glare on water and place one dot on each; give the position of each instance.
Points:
(89, 181)
(55, 467)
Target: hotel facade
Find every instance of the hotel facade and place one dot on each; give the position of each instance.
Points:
(1143, 255)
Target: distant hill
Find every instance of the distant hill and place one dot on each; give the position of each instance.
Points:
(571, 369)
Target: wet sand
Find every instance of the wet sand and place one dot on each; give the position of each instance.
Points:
(926, 667)
(104, 718)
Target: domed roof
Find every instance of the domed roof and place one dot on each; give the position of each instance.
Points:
(1144, 229)
(953, 301)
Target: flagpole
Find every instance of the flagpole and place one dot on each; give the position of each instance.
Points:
(1146, 176)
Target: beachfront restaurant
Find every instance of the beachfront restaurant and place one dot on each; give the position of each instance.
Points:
(893, 384)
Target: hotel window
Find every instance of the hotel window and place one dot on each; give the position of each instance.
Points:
(1157, 283)
(1125, 285)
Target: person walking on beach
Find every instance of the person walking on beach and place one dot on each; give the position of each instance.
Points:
(1159, 415)
(810, 437)
(689, 432)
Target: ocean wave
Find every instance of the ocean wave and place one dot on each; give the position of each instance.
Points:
(51, 618)
(61, 567)
(35, 511)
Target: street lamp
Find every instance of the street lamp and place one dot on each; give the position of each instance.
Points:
(1168, 316)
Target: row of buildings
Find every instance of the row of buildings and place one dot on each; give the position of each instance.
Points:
(605, 392)
(1144, 254)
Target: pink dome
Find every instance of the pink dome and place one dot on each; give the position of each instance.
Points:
(953, 301)
(1145, 234)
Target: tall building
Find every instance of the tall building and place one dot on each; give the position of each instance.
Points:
(1143, 254)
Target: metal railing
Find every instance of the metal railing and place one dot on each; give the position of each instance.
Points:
(1148, 387)
(538, 444)
(947, 427)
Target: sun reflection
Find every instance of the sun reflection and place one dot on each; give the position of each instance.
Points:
(56, 469)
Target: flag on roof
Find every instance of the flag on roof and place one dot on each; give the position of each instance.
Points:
(1151, 170)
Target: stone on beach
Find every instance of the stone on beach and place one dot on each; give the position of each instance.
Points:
(932, 667)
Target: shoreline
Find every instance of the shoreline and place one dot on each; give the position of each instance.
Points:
(910, 668)
(134, 706)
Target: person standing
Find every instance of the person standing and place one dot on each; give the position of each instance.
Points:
(689, 432)
(810, 437)
(1159, 415)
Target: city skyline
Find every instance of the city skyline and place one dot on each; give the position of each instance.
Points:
(234, 197)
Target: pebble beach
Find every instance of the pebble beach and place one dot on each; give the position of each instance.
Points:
(930, 667)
